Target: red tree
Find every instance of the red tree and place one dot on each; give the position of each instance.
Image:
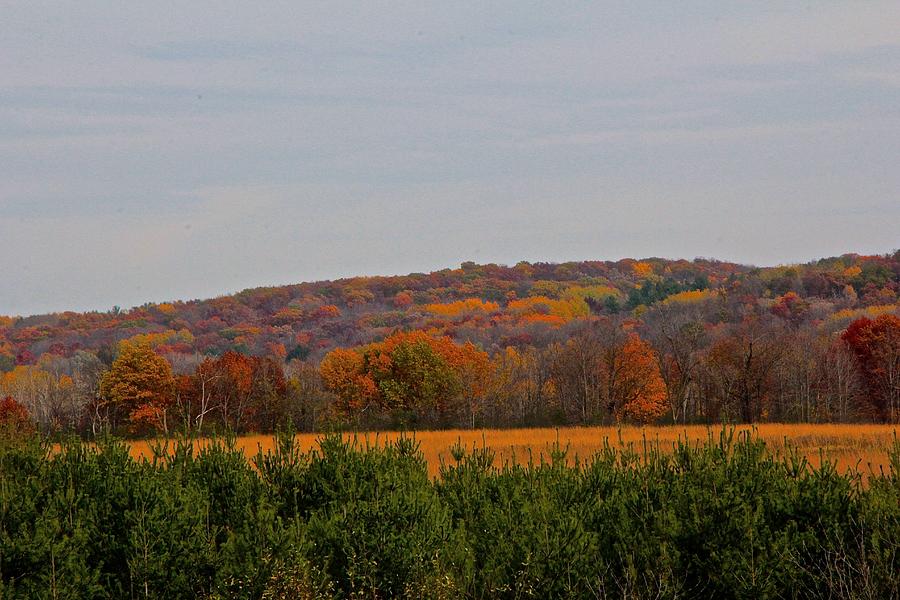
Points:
(14, 417)
(876, 345)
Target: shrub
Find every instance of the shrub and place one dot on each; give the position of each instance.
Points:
(726, 519)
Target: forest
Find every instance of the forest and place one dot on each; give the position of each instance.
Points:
(630, 341)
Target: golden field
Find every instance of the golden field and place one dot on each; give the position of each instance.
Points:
(851, 446)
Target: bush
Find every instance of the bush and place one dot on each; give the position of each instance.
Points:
(723, 520)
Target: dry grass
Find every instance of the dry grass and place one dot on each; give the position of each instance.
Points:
(861, 446)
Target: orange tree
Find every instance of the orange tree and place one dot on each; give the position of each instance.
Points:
(604, 372)
(343, 372)
(409, 374)
(633, 381)
(14, 418)
(139, 386)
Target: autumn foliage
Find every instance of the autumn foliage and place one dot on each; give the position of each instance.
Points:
(634, 383)
(344, 373)
(562, 311)
(479, 345)
(469, 305)
(408, 374)
(139, 386)
(14, 417)
(876, 345)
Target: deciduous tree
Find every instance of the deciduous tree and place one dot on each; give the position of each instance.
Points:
(876, 345)
(14, 418)
(633, 385)
(139, 385)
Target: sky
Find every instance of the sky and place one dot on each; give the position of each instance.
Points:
(157, 151)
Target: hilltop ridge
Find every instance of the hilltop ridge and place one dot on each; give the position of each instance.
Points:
(307, 319)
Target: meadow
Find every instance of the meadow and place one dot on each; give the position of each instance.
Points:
(852, 447)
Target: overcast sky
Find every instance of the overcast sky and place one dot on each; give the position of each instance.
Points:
(153, 151)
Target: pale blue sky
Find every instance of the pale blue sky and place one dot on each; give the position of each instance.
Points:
(190, 149)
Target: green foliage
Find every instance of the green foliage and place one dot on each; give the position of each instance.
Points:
(724, 520)
(654, 291)
(300, 352)
(873, 274)
(417, 375)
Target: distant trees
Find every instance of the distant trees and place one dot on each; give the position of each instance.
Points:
(575, 374)
(58, 392)
(676, 363)
(234, 391)
(410, 376)
(655, 289)
(521, 392)
(740, 367)
(537, 343)
(344, 373)
(87, 372)
(605, 373)
(678, 332)
(48, 396)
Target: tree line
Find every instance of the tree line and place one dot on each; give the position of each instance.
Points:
(671, 365)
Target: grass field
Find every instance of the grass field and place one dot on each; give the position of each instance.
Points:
(850, 446)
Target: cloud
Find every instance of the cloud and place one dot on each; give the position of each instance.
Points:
(182, 150)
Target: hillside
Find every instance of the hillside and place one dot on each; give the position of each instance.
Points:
(498, 309)
(307, 319)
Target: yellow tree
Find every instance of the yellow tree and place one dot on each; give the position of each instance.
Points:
(518, 380)
(140, 385)
(44, 394)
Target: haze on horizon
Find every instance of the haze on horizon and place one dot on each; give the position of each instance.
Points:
(177, 150)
